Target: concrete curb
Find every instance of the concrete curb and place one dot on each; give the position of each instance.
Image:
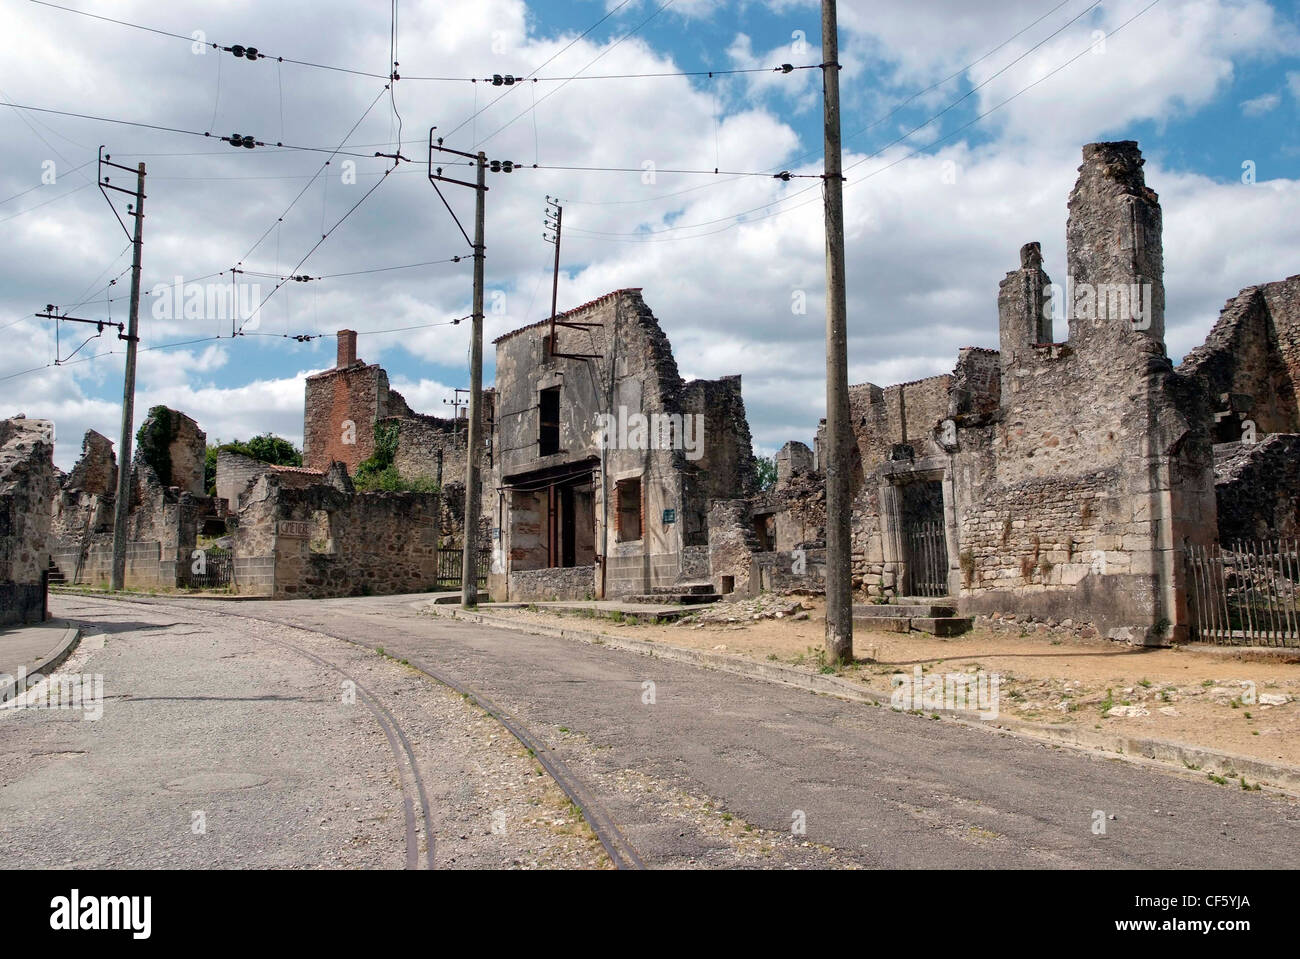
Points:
(1182, 757)
(66, 644)
(109, 594)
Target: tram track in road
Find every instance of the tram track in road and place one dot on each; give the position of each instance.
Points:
(620, 851)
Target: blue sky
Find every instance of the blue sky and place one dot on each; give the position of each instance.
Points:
(1204, 85)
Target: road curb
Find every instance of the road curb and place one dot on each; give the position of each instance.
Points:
(1182, 757)
(62, 650)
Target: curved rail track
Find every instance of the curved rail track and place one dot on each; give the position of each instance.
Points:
(620, 851)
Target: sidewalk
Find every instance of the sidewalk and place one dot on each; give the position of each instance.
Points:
(35, 649)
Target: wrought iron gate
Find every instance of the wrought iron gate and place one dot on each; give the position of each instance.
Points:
(450, 566)
(1246, 595)
(927, 559)
(212, 570)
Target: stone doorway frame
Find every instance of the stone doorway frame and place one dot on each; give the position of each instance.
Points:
(890, 477)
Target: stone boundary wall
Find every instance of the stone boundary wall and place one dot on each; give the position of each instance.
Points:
(556, 583)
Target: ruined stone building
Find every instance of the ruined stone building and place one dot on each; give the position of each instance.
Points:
(169, 508)
(351, 414)
(604, 461)
(28, 485)
(1064, 474)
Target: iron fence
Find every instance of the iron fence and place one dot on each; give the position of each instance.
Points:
(1245, 595)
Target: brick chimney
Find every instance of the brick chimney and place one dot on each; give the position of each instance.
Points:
(347, 348)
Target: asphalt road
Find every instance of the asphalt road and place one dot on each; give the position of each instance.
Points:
(875, 788)
(227, 743)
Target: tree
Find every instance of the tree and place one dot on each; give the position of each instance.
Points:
(266, 448)
(766, 471)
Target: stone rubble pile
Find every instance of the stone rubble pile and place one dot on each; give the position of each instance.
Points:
(764, 606)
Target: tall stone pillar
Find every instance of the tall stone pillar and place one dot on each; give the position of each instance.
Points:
(1114, 250)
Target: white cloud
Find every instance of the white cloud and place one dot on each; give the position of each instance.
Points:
(1260, 105)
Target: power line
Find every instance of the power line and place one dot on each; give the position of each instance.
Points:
(649, 236)
(496, 79)
(245, 141)
(550, 59)
(61, 196)
(630, 33)
(307, 186)
(869, 126)
(39, 185)
(315, 247)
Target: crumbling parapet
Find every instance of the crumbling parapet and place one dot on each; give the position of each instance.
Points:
(1114, 250)
(1024, 318)
(96, 470)
(28, 485)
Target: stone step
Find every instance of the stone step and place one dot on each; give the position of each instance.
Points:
(685, 599)
(677, 588)
(56, 575)
(902, 609)
(900, 621)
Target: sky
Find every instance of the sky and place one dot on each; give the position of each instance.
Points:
(963, 122)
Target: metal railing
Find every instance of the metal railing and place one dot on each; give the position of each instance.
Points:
(1245, 595)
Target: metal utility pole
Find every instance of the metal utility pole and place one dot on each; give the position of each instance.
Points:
(122, 501)
(839, 573)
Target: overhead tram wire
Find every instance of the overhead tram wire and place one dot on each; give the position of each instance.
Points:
(337, 151)
(193, 133)
(550, 59)
(494, 80)
(897, 140)
(872, 125)
(733, 221)
(315, 246)
(631, 33)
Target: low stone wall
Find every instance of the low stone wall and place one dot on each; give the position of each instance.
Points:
(789, 571)
(321, 541)
(575, 582)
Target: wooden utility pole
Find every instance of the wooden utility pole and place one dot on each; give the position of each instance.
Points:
(122, 501)
(839, 573)
(473, 503)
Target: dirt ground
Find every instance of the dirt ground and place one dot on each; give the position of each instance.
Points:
(1181, 694)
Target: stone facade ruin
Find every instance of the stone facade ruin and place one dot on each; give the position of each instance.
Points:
(604, 461)
(28, 484)
(1063, 478)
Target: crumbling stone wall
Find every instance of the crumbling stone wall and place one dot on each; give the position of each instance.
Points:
(558, 583)
(1257, 489)
(165, 516)
(631, 372)
(323, 541)
(236, 472)
(1250, 363)
(174, 448)
(96, 470)
(28, 486)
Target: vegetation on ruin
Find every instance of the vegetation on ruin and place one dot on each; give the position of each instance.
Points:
(153, 440)
(266, 448)
(378, 474)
